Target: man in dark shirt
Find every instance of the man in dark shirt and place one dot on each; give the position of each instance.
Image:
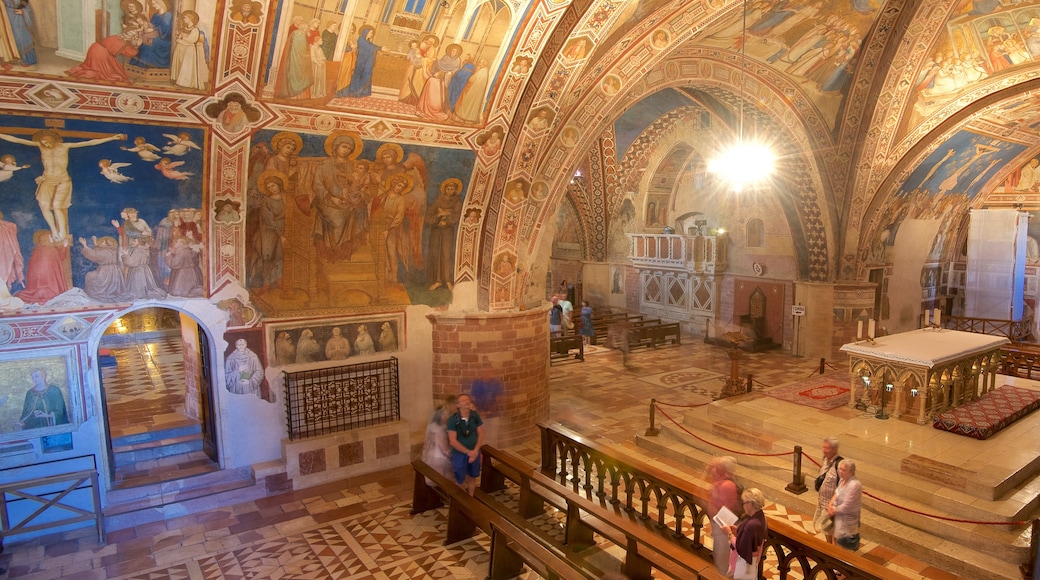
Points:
(466, 435)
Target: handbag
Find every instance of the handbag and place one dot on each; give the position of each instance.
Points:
(820, 478)
(849, 542)
(827, 526)
(744, 570)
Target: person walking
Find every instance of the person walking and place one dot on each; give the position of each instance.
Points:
(826, 483)
(588, 335)
(845, 506)
(723, 493)
(466, 435)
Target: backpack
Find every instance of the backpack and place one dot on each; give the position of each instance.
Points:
(740, 498)
(820, 478)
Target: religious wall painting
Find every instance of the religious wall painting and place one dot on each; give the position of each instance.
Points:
(540, 118)
(246, 12)
(489, 143)
(982, 39)
(335, 341)
(244, 363)
(335, 222)
(239, 313)
(123, 219)
(815, 43)
(233, 113)
(959, 166)
(656, 211)
(630, 14)
(39, 392)
(157, 43)
(611, 85)
(382, 59)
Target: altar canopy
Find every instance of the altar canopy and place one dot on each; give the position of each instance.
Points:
(930, 370)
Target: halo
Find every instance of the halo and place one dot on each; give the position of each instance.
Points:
(330, 143)
(282, 135)
(398, 152)
(261, 182)
(454, 180)
(388, 182)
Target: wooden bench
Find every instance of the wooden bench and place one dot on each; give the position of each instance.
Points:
(646, 546)
(601, 324)
(653, 335)
(560, 347)
(638, 482)
(511, 546)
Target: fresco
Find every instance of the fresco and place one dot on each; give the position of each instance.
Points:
(814, 43)
(159, 43)
(299, 343)
(333, 221)
(112, 209)
(420, 59)
(35, 392)
(982, 39)
(962, 165)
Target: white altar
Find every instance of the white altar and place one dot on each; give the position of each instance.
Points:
(924, 372)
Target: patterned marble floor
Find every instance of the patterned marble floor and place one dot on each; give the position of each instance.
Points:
(360, 528)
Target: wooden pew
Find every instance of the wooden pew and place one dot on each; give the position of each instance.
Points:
(655, 334)
(601, 324)
(629, 483)
(511, 546)
(560, 347)
(646, 546)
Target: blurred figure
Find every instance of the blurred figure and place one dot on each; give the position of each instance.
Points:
(486, 391)
(555, 317)
(826, 483)
(588, 335)
(436, 450)
(747, 537)
(619, 333)
(723, 493)
(846, 505)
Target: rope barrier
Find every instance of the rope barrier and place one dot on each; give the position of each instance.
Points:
(928, 515)
(925, 514)
(816, 370)
(761, 383)
(734, 451)
(684, 406)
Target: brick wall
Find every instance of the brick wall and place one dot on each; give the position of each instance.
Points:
(514, 346)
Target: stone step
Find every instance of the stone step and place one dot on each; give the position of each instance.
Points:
(183, 445)
(989, 558)
(168, 499)
(148, 438)
(1018, 484)
(922, 480)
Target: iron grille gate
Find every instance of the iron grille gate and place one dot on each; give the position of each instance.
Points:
(330, 400)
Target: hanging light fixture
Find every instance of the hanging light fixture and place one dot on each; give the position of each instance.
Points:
(746, 162)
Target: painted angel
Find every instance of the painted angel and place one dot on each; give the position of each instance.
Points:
(144, 149)
(169, 169)
(111, 171)
(179, 144)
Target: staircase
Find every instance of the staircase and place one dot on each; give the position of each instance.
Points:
(165, 473)
(899, 476)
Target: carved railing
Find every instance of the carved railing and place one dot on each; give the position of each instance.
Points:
(696, 254)
(331, 400)
(609, 475)
(50, 501)
(1020, 360)
(1015, 330)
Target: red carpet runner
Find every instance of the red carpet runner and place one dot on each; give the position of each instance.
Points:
(991, 413)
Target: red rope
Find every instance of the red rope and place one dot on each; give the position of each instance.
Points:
(928, 515)
(870, 495)
(816, 370)
(753, 379)
(682, 406)
(734, 451)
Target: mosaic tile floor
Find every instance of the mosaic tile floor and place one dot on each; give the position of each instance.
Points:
(360, 528)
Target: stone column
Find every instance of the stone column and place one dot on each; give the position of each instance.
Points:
(514, 345)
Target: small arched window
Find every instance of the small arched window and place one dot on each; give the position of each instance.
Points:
(756, 233)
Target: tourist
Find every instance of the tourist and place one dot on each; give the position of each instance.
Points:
(845, 506)
(826, 482)
(436, 449)
(747, 537)
(466, 435)
(723, 493)
(588, 335)
(555, 317)
(568, 312)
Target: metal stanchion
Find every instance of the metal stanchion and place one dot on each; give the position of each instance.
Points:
(797, 485)
(652, 430)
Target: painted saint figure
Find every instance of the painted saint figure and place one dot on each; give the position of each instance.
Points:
(243, 371)
(190, 64)
(44, 404)
(441, 217)
(155, 51)
(361, 79)
(338, 346)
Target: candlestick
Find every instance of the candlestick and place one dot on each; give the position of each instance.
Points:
(859, 330)
(870, 329)
(926, 313)
(935, 316)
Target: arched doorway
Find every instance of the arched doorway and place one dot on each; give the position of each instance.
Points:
(156, 386)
